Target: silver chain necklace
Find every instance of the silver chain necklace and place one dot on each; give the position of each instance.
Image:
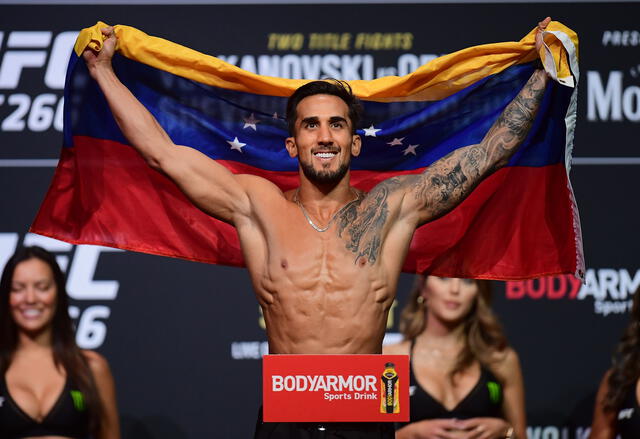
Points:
(311, 223)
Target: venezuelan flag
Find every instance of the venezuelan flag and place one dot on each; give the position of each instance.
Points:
(521, 222)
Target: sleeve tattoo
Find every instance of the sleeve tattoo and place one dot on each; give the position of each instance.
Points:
(449, 180)
(446, 182)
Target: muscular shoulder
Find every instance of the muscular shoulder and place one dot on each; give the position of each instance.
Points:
(254, 184)
(401, 348)
(403, 195)
(263, 195)
(394, 186)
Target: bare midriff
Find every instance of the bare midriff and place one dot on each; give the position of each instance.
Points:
(317, 296)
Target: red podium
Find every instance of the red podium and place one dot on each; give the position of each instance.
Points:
(335, 388)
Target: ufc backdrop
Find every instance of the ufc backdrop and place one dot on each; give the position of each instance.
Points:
(184, 339)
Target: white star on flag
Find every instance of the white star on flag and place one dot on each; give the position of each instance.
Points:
(396, 141)
(250, 122)
(236, 144)
(371, 131)
(411, 149)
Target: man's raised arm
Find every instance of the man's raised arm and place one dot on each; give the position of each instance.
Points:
(448, 181)
(209, 185)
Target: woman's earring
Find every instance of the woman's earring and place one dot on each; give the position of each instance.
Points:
(420, 300)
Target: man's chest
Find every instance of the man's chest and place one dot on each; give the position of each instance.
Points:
(354, 238)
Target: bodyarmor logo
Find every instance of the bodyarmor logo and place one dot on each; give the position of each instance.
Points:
(81, 267)
(610, 289)
(22, 52)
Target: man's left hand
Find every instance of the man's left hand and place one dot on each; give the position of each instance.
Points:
(541, 27)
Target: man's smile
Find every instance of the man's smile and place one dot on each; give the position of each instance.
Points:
(325, 155)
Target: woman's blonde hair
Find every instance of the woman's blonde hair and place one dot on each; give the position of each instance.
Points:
(483, 334)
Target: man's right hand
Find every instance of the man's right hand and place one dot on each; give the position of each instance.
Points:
(101, 59)
(208, 185)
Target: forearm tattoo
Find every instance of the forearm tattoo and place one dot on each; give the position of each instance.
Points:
(445, 183)
(513, 125)
(449, 180)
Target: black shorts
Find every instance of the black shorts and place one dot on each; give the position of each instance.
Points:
(329, 430)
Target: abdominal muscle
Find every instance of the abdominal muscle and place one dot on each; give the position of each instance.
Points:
(316, 298)
(322, 322)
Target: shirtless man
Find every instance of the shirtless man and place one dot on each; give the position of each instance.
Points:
(324, 259)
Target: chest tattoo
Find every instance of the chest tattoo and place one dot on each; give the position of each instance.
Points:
(362, 224)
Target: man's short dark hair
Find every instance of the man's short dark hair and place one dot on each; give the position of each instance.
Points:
(333, 87)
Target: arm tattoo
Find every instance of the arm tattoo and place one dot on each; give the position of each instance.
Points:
(363, 223)
(445, 183)
(449, 180)
(513, 125)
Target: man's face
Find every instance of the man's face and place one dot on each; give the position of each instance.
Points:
(323, 139)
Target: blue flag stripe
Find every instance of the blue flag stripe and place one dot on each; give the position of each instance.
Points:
(411, 135)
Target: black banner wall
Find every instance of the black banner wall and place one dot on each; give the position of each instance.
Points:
(184, 339)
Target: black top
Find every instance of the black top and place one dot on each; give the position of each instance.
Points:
(68, 417)
(629, 416)
(484, 400)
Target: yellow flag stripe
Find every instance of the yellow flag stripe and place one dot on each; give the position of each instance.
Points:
(435, 80)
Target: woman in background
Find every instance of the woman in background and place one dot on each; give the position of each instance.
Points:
(49, 387)
(616, 410)
(465, 381)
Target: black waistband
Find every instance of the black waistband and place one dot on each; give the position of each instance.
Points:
(372, 427)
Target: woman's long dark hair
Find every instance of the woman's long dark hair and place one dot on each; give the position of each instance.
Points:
(483, 334)
(66, 353)
(625, 368)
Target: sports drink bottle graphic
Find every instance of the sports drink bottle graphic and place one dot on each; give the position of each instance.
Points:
(389, 389)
